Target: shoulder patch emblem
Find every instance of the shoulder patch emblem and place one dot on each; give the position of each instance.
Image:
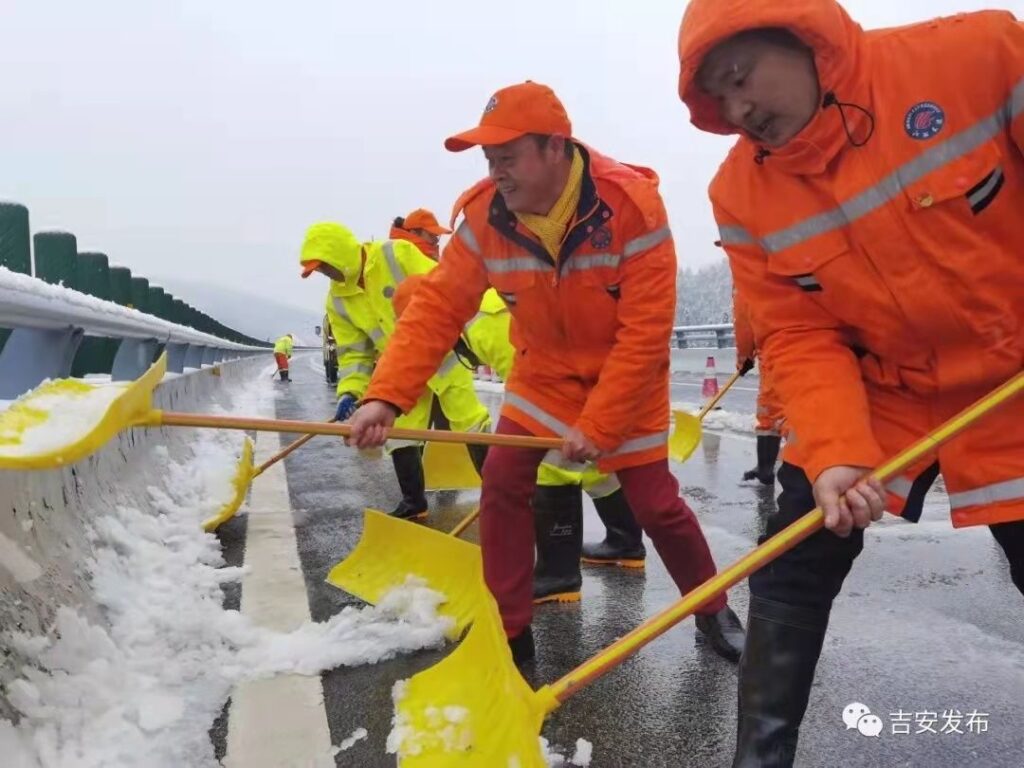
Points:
(924, 120)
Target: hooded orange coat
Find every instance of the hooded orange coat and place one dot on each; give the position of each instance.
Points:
(425, 246)
(885, 282)
(591, 337)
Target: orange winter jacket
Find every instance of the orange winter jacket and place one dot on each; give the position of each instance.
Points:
(591, 336)
(886, 281)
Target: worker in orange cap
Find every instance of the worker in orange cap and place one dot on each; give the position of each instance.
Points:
(578, 245)
(871, 212)
(421, 229)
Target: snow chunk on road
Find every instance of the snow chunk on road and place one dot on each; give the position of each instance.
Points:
(720, 419)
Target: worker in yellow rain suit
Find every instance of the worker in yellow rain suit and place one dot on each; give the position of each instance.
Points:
(283, 354)
(558, 501)
(364, 277)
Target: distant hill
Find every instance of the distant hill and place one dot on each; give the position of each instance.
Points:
(254, 315)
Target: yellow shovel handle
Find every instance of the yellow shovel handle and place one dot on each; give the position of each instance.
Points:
(171, 419)
(721, 393)
(465, 522)
(627, 645)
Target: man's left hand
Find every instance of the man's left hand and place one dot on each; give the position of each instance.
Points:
(578, 447)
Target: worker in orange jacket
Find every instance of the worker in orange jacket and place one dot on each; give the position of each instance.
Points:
(871, 211)
(769, 420)
(421, 229)
(578, 246)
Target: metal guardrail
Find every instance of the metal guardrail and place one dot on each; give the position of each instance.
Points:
(720, 336)
(48, 324)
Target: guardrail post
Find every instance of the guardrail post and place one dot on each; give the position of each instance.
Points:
(95, 355)
(133, 358)
(194, 356)
(15, 252)
(209, 353)
(176, 356)
(32, 355)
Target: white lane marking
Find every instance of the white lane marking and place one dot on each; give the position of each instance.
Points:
(280, 721)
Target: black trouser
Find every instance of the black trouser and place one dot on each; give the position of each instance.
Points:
(811, 574)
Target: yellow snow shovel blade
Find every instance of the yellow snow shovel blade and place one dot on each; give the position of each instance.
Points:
(447, 467)
(472, 710)
(61, 422)
(391, 549)
(686, 436)
(240, 485)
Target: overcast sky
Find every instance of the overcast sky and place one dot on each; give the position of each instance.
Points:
(201, 137)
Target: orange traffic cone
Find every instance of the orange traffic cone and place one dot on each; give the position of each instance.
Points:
(710, 388)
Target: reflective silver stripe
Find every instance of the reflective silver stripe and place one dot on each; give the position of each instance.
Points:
(899, 486)
(592, 261)
(638, 444)
(341, 309)
(606, 487)
(1007, 490)
(366, 345)
(807, 280)
(642, 243)
(516, 264)
(985, 191)
(734, 236)
(892, 185)
(534, 412)
(389, 256)
(376, 335)
(350, 370)
(465, 234)
(449, 364)
(767, 433)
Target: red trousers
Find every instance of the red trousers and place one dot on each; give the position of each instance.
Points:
(282, 361)
(507, 538)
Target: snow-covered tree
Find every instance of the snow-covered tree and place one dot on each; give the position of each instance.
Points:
(704, 295)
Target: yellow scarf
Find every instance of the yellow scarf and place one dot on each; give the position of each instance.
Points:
(551, 229)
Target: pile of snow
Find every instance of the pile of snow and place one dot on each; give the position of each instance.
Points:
(56, 414)
(581, 757)
(144, 687)
(719, 419)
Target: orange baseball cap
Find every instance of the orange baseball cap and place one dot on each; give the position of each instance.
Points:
(514, 112)
(309, 267)
(423, 219)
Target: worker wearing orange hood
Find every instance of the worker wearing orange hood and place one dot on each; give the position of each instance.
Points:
(871, 211)
(422, 230)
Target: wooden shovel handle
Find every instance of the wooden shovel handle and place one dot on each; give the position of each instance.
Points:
(721, 393)
(173, 419)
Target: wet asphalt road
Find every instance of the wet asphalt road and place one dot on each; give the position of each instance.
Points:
(928, 622)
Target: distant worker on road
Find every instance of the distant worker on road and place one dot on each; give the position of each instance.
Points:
(283, 354)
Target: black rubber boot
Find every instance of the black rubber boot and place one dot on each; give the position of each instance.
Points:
(724, 632)
(776, 672)
(767, 454)
(408, 462)
(623, 543)
(558, 523)
(522, 647)
(283, 374)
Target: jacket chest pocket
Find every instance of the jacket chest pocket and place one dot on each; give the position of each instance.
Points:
(967, 185)
(808, 266)
(513, 287)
